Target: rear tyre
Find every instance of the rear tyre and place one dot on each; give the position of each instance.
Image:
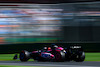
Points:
(24, 56)
(59, 56)
(80, 56)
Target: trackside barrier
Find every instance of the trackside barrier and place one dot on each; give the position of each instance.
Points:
(16, 48)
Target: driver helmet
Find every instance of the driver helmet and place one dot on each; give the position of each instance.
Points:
(45, 48)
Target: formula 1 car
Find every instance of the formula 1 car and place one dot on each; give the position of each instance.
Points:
(55, 53)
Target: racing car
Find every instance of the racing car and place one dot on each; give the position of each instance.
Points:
(54, 53)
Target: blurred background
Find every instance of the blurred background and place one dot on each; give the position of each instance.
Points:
(24, 26)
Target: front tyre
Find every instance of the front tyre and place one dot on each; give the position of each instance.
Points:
(24, 56)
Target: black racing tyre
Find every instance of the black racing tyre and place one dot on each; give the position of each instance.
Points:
(24, 56)
(59, 56)
(80, 56)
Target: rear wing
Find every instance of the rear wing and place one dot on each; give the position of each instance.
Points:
(75, 47)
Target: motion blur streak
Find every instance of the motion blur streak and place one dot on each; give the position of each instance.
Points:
(26, 25)
(50, 23)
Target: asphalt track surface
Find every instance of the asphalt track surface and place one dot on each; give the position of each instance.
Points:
(53, 64)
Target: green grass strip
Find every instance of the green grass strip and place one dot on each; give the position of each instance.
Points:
(6, 57)
(9, 57)
(92, 57)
